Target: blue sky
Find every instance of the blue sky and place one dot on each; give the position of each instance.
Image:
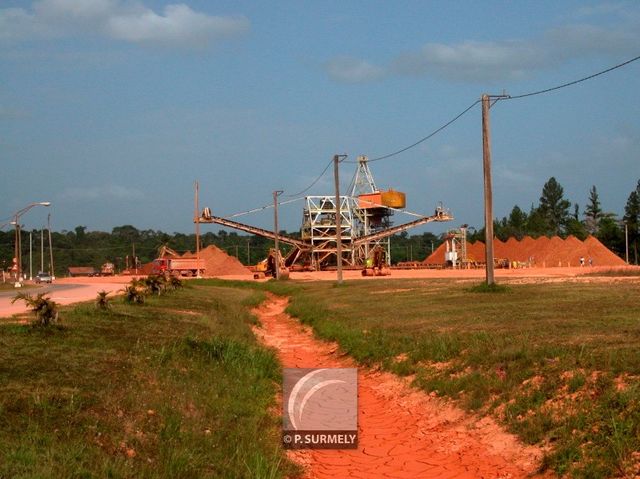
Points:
(110, 109)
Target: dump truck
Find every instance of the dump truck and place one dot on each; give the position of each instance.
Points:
(178, 266)
(107, 269)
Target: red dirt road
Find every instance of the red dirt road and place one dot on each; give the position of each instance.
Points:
(403, 432)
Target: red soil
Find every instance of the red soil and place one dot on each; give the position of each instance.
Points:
(541, 252)
(403, 432)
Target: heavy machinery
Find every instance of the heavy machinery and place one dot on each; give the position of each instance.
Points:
(170, 263)
(365, 223)
(177, 266)
(376, 263)
(267, 267)
(107, 269)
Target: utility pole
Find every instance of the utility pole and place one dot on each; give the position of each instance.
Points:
(53, 274)
(135, 260)
(336, 176)
(17, 251)
(197, 215)
(626, 241)
(30, 256)
(42, 249)
(488, 188)
(275, 231)
(248, 252)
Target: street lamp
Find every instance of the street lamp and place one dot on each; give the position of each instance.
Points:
(18, 249)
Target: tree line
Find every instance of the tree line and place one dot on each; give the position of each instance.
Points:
(554, 215)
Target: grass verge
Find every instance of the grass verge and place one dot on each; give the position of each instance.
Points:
(557, 364)
(176, 387)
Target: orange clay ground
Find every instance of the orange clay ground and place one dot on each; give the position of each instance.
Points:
(403, 432)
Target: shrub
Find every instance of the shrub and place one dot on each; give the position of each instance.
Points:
(45, 309)
(102, 300)
(134, 292)
(155, 284)
(175, 283)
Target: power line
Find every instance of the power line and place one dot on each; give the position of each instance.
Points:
(430, 135)
(510, 97)
(261, 208)
(564, 85)
(313, 182)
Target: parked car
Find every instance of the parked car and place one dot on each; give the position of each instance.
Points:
(43, 278)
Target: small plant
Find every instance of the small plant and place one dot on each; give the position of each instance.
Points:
(103, 301)
(45, 309)
(175, 283)
(155, 284)
(133, 293)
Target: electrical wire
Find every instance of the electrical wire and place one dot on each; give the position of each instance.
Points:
(564, 85)
(430, 135)
(509, 97)
(255, 210)
(313, 182)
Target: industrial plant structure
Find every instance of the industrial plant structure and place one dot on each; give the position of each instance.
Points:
(365, 223)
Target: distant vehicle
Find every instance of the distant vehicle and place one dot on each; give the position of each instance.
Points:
(82, 271)
(42, 277)
(177, 266)
(107, 269)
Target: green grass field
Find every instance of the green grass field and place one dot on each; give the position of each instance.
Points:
(176, 387)
(558, 363)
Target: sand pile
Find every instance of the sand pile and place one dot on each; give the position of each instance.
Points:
(218, 263)
(543, 251)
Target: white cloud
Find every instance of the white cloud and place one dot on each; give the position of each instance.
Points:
(104, 193)
(473, 60)
(179, 24)
(124, 20)
(478, 61)
(602, 9)
(352, 70)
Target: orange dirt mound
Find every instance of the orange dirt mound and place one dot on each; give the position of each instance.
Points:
(218, 263)
(543, 251)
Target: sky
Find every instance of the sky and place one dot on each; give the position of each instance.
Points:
(111, 109)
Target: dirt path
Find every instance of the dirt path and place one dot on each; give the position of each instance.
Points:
(403, 433)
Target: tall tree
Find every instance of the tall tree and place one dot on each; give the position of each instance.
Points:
(553, 207)
(632, 219)
(610, 233)
(536, 223)
(516, 224)
(593, 211)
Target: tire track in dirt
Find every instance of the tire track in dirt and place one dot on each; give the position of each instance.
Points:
(403, 432)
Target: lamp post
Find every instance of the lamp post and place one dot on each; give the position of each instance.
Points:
(18, 249)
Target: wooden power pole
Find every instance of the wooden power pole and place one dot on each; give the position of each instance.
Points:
(275, 231)
(197, 217)
(488, 188)
(488, 191)
(336, 177)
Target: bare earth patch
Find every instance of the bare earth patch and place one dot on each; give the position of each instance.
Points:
(403, 432)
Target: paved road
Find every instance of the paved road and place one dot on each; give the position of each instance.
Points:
(64, 292)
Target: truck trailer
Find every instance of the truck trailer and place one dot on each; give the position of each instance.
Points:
(178, 266)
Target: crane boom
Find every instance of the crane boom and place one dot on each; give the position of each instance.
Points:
(440, 215)
(207, 217)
